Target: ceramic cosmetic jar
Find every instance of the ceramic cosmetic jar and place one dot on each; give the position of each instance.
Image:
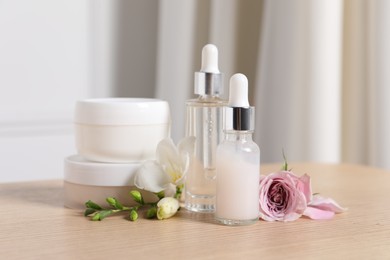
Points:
(120, 130)
(85, 180)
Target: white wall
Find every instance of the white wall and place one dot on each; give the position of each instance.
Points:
(43, 70)
(54, 52)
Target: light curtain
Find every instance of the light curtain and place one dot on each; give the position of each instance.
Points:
(318, 71)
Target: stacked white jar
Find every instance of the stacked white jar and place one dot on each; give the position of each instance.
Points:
(113, 137)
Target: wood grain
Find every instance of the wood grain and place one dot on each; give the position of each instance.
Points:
(35, 225)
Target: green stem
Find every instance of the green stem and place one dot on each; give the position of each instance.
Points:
(179, 191)
(285, 165)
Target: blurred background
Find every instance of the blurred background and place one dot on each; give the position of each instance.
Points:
(318, 72)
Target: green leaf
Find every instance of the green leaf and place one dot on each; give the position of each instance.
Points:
(133, 215)
(92, 205)
(152, 212)
(89, 211)
(114, 202)
(102, 215)
(137, 196)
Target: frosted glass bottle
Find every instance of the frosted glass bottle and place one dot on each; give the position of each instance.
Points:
(238, 160)
(204, 122)
(238, 164)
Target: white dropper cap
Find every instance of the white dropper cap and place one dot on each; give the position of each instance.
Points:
(210, 59)
(239, 116)
(238, 96)
(208, 81)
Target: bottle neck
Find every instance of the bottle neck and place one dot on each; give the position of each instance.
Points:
(242, 136)
(208, 83)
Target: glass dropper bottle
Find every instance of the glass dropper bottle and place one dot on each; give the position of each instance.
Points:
(204, 122)
(238, 160)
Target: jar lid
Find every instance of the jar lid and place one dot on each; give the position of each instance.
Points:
(122, 111)
(80, 171)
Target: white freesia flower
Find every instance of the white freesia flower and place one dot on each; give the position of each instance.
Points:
(169, 169)
(151, 177)
(167, 207)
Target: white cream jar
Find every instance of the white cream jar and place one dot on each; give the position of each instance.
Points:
(120, 130)
(85, 180)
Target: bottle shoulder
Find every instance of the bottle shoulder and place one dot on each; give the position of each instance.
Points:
(239, 145)
(238, 152)
(208, 101)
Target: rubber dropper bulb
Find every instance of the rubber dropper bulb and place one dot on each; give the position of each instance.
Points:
(210, 59)
(238, 94)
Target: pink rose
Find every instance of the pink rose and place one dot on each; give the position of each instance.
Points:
(286, 197)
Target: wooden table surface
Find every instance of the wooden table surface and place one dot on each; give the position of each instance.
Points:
(35, 225)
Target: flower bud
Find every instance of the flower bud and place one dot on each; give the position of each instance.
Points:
(133, 215)
(137, 196)
(151, 213)
(114, 202)
(167, 207)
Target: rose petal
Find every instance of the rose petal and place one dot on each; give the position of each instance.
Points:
(266, 217)
(304, 186)
(315, 213)
(327, 204)
(291, 217)
(151, 177)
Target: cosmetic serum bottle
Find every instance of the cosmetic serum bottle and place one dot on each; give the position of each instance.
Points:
(238, 160)
(204, 121)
